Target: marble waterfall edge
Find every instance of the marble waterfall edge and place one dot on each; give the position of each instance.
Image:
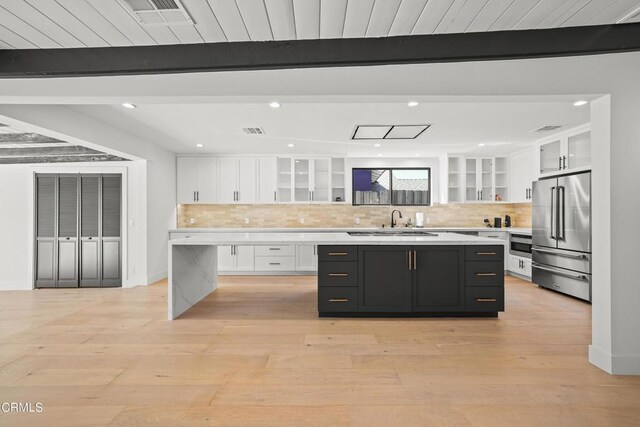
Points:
(192, 276)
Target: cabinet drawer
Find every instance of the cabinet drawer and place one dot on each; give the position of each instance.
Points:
(275, 263)
(337, 253)
(500, 235)
(284, 250)
(337, 273)
(484, 273)
(484, 299)
(485, 253)
(338, 299)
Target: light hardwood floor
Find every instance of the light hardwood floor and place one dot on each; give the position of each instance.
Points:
(255, 353)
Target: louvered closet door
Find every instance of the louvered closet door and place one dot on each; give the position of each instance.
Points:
(45, 265)
(111, 230)
(67, 231)
(90, 268)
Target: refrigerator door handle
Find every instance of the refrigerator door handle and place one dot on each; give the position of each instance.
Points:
(562, 254)
(553, 211)
(561, 214)
(562, 273)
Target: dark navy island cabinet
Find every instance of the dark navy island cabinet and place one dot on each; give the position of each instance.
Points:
(397, 280)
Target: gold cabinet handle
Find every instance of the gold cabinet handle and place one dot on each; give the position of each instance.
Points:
(338, 253)
(486, 253)
(339, 300)
(415, 264)
(486, 299)
(485, 274)
(409, 254)
(338, 274)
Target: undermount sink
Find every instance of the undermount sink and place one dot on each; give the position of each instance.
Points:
(392, 233)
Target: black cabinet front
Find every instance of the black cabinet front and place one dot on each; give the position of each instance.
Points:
(384, 279)
(437, 279)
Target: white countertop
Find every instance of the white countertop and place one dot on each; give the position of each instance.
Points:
(343, 229)
(257, 238)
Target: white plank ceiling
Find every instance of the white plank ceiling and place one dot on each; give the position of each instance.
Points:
(30, 24)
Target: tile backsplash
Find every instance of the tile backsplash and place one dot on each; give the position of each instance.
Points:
(337, 215)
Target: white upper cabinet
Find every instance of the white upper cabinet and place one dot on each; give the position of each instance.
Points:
(310, 179)
(569, 151)
(521, 177)
(486, 179)
(236, 180)
(267, 180)
(196, 180)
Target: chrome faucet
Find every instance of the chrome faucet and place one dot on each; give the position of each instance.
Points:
(393, 222)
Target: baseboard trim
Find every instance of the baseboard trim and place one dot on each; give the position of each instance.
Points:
(16, 286)
(600, 359)
(156, 277)
(614, 365)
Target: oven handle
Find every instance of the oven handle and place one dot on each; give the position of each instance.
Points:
(562, 273)
(563, 254)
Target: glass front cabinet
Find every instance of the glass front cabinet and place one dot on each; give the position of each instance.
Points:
(567, 152)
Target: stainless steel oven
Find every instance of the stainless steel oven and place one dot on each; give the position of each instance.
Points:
(520, 245)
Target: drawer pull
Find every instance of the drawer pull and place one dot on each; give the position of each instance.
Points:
(338, 274)
(486, 253)
(338, 253)
(486, 300)
(274, 263)
(485, 274)
(274, 249)
(339, 300)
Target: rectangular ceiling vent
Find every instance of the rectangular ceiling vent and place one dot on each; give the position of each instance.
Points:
(158, 12)
(548, 128)
(253, 131)
(388, 131)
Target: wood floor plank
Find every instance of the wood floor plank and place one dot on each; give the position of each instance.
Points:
(255, 353)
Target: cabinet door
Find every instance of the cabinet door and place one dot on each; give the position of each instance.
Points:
(438, 283)
(207, 180)
(226, 258)
(320, 192)
(246, 188)
(520, 181)
(267, 180)
(550, 156)
(306, 258)
(526, 267)
(301, 180)
(68, 231)
(227, 179)
(486, 178)
(384, 279)
(579, 150)
(471, 193)
(245, 258)
(187, 177)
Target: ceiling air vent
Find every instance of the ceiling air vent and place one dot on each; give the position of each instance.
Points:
(253, 131)
(158, 12)
(548, 128)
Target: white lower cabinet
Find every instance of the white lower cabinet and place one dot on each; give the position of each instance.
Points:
(236, 258)
(503, 236)
(275, 258)
(519, 265)
(306, 258)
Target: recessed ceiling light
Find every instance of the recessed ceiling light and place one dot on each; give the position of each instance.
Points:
(128, 105)
(199, 145)
(274, 104)
(413, 103)
(417, 154)
(379, 154)
(482, 144)
(376, 145)
(580, 103)
(290, 145)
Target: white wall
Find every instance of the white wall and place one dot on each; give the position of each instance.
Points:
(152, 187)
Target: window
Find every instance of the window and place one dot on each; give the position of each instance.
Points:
(391, 186)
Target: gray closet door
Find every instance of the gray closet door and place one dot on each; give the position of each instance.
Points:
(111, 230)
(90, 271)
(45, 262)
(67, 231)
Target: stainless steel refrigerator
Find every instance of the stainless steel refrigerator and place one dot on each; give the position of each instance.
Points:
(562, 234)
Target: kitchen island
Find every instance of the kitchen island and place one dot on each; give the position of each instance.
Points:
(427, 274)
